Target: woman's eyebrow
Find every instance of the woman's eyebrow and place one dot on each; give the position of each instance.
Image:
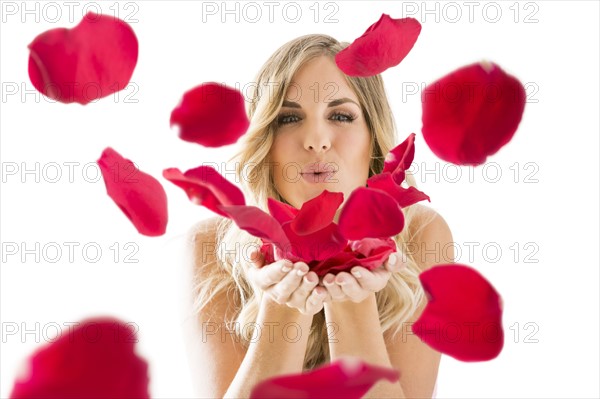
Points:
(337, 101)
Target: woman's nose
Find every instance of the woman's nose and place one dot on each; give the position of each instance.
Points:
(317, 142)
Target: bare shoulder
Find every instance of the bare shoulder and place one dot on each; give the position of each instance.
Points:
(214, 354)
(417, 362)
(432, 240)
(201, 239)
(204, 228)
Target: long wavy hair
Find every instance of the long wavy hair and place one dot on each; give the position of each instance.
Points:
(403, 293)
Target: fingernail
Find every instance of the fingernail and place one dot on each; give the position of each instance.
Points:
(301, 272)
(286, 267)
(356, 274)
(306, 280)
(392, 259)
(342, 282)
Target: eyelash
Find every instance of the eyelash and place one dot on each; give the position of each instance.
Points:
(349, 117)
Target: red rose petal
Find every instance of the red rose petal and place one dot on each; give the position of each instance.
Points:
(403, 196)
(90, 61)
(280, 211)
(258, 223)
(463, 317)
(140, 196)
(94, 359)
(471, 113)
(317, 213)
(212, 115)
(342, 261)
(383, 45)
(370, 212)
(399, 159)
(319, 245)
(369, 253)
(205, 186)
(345, 378)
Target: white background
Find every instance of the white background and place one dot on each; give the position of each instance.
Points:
(550, 209)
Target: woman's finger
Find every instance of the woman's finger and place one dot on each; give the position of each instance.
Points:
(395, 262)
(366, 279)
(300, 295)
(271, 274)
(283, 290)
(334, 290)
(350, 286)
(314, 302)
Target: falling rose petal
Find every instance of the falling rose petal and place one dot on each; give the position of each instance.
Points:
(471, 113)
(399, 159)
(212, 115)
(382, 46)
(370, 212)
(319, 245)
(403, 196)
(317, 213)
(281, 211)
(348, 377)
(93, 60)
(258, 223)
(205, 186)
(94, 359)
(463, 316)
(140, 196)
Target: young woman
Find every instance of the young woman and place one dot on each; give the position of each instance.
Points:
(251, 320)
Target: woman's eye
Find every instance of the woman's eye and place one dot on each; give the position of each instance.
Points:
(286, 119)
(341, 117)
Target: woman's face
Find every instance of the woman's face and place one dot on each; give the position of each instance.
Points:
(320, 122)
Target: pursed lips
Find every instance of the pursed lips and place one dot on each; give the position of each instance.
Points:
(317, 168)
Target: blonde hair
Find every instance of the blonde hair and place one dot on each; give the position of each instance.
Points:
(403, 293)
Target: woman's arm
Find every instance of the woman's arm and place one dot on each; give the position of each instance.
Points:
(221, 365)
(359, 334)
(278, 349)
(359, 331)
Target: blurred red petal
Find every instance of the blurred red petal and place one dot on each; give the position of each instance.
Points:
(140, 196)
(281, 211)
(212, 115)
(258, 223)
(94, 359)
(319, 245)
(383, 45)
(471, 113)
(205, 186)
(345, 378)
(463, 316)
(400, 158)
(370, 212)
(90, 61)
(403, 196)
(317, 213)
